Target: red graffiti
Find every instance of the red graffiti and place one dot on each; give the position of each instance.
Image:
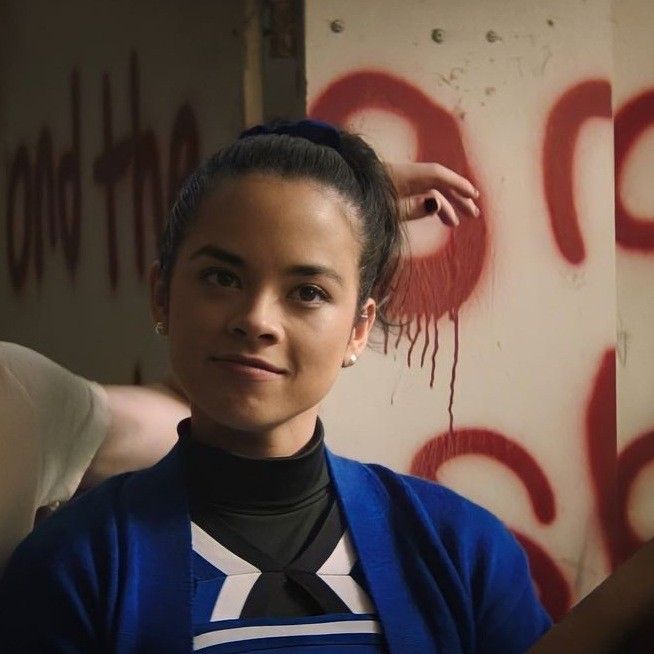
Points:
(612, 477)
(62, 189)
(635, 456)
(431, 285)
(454, 316)
(145, 166)
(139, 150)
(69, 185)
(444, 447)
(44, 194)
(51, 193)
(553, 588)
(448, 276)
(631, 121)
(184, 150)
(108, 168)
(601, 446)
(19, 174)
(589, 99)
(613, 474)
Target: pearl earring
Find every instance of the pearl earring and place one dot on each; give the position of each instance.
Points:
(351, 361)
(160, 329)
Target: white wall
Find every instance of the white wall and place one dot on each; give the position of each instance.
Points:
(633, 100)
(536, 314)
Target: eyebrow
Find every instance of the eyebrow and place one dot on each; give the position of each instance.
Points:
(299, 270)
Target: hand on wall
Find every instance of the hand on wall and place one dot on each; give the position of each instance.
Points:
(431, 188)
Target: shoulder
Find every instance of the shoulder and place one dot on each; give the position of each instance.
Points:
(91, 529)
(62, 414)
(456, 537)
(27, 364)
(59, 399)
(68, 554)
(450, 508)
(86, 521)
(13, 351)
(476, 542)
(77, 541)
(441, 505)
(63, 576)
(41, 378)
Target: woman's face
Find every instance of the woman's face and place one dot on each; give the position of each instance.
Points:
(269, 270)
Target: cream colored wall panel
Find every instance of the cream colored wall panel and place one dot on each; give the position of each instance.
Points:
(517, 96)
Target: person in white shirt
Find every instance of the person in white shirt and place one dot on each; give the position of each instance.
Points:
(51, 425)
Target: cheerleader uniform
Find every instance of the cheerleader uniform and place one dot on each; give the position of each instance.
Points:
(207, 551)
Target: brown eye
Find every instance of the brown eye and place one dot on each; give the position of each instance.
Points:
(310, 294)
(219, 277)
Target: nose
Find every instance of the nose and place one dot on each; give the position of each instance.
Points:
(256, 320)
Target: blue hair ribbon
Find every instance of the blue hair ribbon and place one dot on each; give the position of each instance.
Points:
(315, 131)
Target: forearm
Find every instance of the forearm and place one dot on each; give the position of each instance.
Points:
(142, 430)
(613, 613)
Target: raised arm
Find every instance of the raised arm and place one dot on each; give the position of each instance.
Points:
(433, 189)
(142, 429)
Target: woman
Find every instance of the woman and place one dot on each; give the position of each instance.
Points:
(250, 535)
(60, 432)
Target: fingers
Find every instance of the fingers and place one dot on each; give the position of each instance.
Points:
(433, 189)
(416, 206)
(447, 213)
(465, 204)
(414, 177)
(433, 203)
(444, 176)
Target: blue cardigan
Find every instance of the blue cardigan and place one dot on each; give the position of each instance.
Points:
(112, 570)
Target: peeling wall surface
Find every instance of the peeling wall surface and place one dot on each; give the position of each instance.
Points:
(503, 383)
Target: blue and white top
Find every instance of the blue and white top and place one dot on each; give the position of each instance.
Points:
(231, 592)
(113, 571)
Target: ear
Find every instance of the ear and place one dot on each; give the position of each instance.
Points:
(158, 294)
(363, 324)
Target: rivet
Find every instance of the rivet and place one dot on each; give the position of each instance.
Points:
(437, 35)
(337, 25)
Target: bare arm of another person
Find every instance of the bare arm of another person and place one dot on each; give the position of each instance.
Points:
(142, 429)
(616, 618)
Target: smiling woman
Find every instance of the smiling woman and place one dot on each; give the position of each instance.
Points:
(245, 287)
(250, 535)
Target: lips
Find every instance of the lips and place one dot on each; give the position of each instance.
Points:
(253, 362)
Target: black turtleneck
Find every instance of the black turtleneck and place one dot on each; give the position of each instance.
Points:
(275, 506)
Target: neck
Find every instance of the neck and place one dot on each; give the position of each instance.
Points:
(285, 439)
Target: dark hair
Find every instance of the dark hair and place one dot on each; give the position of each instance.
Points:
(354, 170)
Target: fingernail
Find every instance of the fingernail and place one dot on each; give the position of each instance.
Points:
(475, 192)
(476, 211)
(431, 206)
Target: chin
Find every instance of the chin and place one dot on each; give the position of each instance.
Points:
(246, 418)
